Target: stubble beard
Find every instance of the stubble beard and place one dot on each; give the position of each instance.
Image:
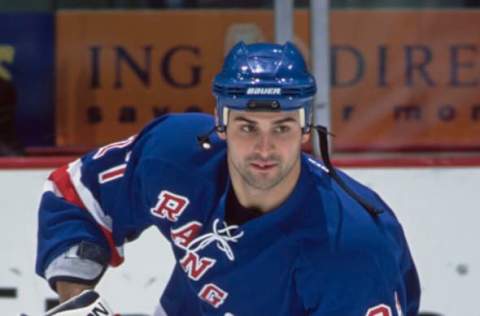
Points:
(262, 182)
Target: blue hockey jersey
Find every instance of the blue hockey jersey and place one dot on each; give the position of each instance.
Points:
(318, 253)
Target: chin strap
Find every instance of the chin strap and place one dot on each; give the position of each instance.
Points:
(322, 135)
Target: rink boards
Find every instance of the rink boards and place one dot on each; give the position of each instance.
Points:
(437, 206)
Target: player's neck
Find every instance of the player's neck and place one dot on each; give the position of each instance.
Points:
(264, 200)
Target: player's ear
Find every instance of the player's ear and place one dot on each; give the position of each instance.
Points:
(306, 137)
(222, 135)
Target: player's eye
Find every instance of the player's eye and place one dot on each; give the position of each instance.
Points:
(247, 128)
(281, 129)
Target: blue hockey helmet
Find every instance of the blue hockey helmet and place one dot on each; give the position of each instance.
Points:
(264, 77)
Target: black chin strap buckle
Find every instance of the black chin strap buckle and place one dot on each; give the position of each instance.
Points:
(204, 140)
(322, 136)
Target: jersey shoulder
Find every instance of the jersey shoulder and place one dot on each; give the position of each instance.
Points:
(352, 258)
(173, 141)
(168, 149)
(347, 227)
(175, 137)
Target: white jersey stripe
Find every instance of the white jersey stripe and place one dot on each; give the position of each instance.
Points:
(88, 200)
(91, 204)
(49, 186)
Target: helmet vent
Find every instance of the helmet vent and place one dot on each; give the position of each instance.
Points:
(291, 92)
(231, 91)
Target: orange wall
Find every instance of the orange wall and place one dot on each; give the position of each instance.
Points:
(116, 70)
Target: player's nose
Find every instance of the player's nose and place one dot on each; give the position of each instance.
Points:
(264, 144)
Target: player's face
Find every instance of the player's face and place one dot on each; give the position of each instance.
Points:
(264, 147)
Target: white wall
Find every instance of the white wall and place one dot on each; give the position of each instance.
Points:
(437, 206)
(439, 210)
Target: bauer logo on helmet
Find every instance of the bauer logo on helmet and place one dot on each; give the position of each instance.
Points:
(264, 91)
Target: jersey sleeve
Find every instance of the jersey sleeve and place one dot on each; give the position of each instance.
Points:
(363, 268)
(80, 204)
(95, 204)
(408, 295)
(347, 285)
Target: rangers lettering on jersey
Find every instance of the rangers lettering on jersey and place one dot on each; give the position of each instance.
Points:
(213, 295)
(187, 237)
(170, 206)
(194, 266)
(184, 235)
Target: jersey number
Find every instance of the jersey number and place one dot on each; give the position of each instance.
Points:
(379, 310)
(105, 149)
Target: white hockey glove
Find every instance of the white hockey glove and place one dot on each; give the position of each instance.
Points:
(86, 303)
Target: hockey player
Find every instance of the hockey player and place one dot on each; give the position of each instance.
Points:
(257, 227)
